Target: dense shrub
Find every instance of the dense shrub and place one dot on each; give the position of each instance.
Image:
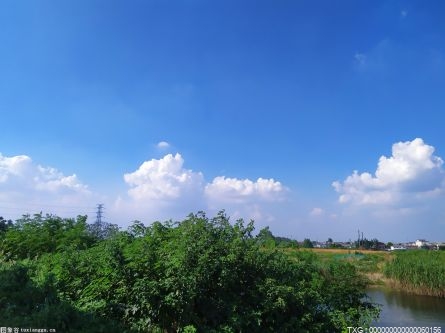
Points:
(201, 274)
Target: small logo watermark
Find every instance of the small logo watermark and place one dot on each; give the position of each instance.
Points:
(26, 330)
(9, 330)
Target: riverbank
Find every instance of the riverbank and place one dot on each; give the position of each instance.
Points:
(420, 272)
(416, 272)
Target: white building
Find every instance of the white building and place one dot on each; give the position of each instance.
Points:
(421, 242)
(397, 248)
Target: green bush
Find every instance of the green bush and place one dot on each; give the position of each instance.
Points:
(199, 275)
(24, 303)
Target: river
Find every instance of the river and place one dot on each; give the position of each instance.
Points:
(402, 309)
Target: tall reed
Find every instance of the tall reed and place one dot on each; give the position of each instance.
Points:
(419, 271)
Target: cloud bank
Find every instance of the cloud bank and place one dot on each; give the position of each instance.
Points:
(20, 173)
(412, 173)
(158, 189)
(224, 189)
(164, 184)
(25, 184)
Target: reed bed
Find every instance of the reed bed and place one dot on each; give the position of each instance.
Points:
(418, 271)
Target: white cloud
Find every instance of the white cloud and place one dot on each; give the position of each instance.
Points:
(238, 190)
(50, 179)
(412, 172)
(21, 172)
(160, 189)
(317, 211)
(166, 179)
(163, 188)
(360, 59)
(244, 198)
(163, 179)
(26, 186)
(163, 145)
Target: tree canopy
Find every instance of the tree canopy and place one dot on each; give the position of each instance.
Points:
(197, 275)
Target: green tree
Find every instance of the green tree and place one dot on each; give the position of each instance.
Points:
(307, 243)
(25, 302)
(30, 237)
(4, 225)
(198, 275)
(266, 238)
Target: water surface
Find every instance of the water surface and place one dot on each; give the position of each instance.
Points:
(403, 309)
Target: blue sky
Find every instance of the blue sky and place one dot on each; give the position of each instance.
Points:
(263, 108)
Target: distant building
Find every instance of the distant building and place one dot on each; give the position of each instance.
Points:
(397, 248)
(381, 246)
(421, 243)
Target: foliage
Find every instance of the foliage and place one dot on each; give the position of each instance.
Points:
(307, 243)
(24, 303)
(4, 225)
(285, 242)
(198, 275)
(31, 237)
(369, 244)
(266, 239)
(420, 271)
(101, 230)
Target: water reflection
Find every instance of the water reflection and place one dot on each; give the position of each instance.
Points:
(401, 309)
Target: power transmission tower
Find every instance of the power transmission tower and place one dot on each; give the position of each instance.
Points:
(97, 228)
(99, 214)
(100, 228)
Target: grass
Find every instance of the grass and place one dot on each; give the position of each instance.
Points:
(419, 271)
(368, 263)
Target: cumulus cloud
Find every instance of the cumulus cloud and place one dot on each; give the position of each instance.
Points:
(26, 186)
(160, 189)
(237, 190)
(246, 198)
(163, 179)
(164, 185)
(412, 172)
(20, 172)
(166, 178)
(163, 145)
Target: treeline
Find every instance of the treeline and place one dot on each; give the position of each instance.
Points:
(268, 240)
(418, 271)
(198, 275)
